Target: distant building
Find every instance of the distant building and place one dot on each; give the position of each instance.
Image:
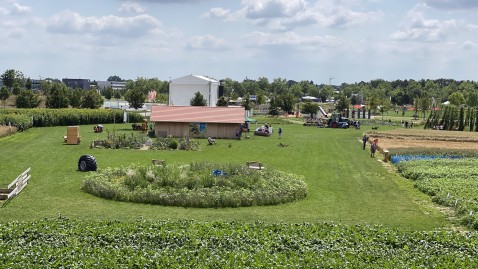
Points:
(115, 85)
(77, 83)
(36, 85)
(183, 89)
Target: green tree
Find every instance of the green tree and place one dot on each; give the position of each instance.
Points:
(456, 98)
(75, 96)
(326, 93)
(342, 104)
(198, 100)
(424, 104)
(114, 78)
(222, 101)
(135, 98)
(9, 78)
(4, 94)
(108, 93)
(246, 103)
(58, 96)
(287, 102)
(27, 99)
(261, 98)
(91, 99)
(309, 107)
(472, 99)
(274, 107)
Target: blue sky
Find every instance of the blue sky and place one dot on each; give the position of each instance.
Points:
(349, 40)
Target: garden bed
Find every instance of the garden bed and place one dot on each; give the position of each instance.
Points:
(196, 185)
(415, 138)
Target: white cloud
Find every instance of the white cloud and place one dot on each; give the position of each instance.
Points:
(285, 15)
(15, 9)
(469, 45)
(68, 22)
(256, 9)
(206, 42)
(218, 12)
(422, 29)
(130, 7)
(259, 39)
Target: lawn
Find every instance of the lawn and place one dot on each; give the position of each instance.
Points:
(345, 185)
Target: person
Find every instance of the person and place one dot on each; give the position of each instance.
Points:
(373, 148)
(364, 140)
(280, 132)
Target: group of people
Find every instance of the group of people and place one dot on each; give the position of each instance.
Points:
(406, 125)
(373, 146)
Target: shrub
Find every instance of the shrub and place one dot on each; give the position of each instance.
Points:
(46, 117)
(173, 144)
(195, 185)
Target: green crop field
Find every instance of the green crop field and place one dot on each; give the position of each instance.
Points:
(345, 185)
(358, 213)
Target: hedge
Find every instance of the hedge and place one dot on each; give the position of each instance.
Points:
(46, 117)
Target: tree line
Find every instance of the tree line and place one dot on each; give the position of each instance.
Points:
(283, 94)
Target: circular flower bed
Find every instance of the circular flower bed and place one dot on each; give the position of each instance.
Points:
(198, 184)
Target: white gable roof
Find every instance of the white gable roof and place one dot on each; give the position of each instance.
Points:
(193, 79)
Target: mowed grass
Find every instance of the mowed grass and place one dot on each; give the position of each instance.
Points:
(345, 185)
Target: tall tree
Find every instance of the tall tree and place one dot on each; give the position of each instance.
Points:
(27, 99)
(135, 98)
(108, 93)
(58, 96)
(456, 98)
(198, 100)
(287, 102)
(309, 107)
(342, 104)
(274, 107)
(74, 97)
(91, 99)
(4, 94)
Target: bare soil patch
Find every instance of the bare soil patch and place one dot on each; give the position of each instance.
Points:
(432, 139)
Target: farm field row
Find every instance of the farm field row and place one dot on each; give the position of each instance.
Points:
(344, 184)
(63, 243)
(451, 182)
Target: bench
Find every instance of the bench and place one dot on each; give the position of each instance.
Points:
(255, 165)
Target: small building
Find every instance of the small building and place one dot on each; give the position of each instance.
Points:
(197, 121)
(183, 89)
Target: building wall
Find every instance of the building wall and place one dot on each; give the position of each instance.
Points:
(179, 129)
(181, 94)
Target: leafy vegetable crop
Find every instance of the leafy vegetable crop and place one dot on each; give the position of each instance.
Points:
(63, 243)
(450, 182)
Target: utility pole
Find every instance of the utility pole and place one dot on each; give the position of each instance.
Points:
(330, 80)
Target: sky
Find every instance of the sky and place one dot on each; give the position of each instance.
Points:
(325, 41)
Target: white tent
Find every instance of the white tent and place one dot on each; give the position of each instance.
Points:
(183, 89)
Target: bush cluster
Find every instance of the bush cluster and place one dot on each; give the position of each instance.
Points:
(199, 184)
(46, 117)
(165, 143)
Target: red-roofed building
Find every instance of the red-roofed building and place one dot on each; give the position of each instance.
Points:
(197, 121)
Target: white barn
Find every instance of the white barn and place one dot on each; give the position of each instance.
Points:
(183, 89)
